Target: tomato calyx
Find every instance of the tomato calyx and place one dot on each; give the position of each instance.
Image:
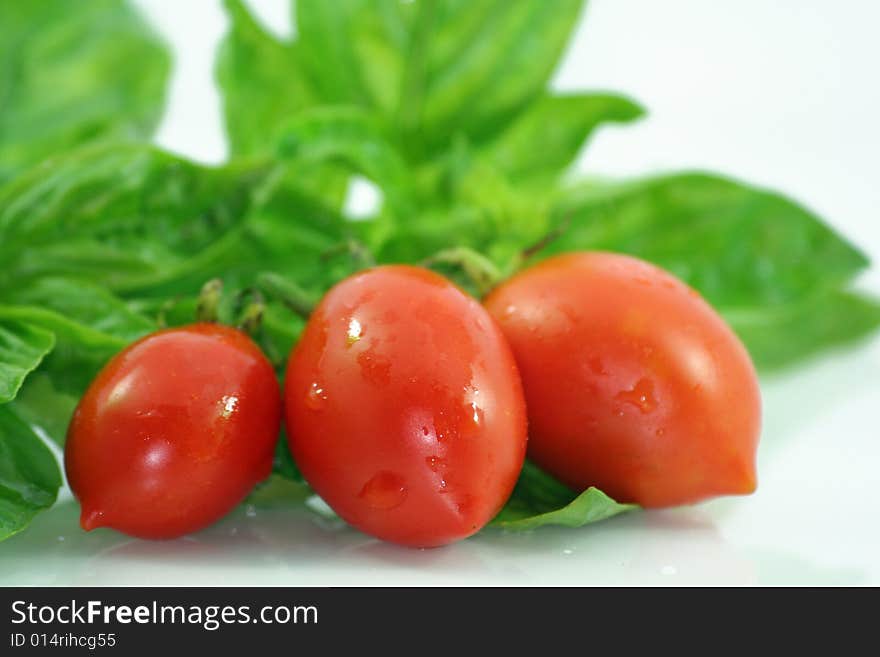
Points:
(482, 274)
(287, 292)
(208, 306)
(480, 270)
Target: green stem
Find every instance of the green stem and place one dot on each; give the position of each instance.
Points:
(209, 301)
(356, 249)
(478, 268)
(289, 293)
(250, 317)
(543, 243)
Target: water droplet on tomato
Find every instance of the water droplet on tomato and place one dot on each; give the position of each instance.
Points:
(355, 332)
(660, 432)
(473, 410)
(384, 491)
(477, 414)
(228, 405)
(464, 505)
(434, 462)
(641, 395)
(316, 397)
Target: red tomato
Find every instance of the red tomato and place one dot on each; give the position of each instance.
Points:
(174, 432)
(633, 383)
(404, 408)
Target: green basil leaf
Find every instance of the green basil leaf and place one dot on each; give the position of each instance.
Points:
(79, 352)
(29, 476)
(262, 82)
(740, 246)
(347, 46)
(72, 72)
(118, 215)
(487, 60)
(780, 336)
(544, 140)
(64, 328)
(40, 404)
(284, 465)
(85, 303)
(538, 499)
(22, 347)
(353, 138)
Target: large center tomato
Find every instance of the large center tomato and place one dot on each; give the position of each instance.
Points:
(404, 408)
(634, 384)
(174, 432)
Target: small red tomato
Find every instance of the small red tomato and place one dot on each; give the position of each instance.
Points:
(173, 432)
(633, 383)
(404, 408)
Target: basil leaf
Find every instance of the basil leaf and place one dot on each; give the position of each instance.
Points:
(22, 347)
(86, 304)
(79, 352)
(29, 476)
(283, 464)
(544, 140)
(330, 38)
(353, 138)
(72, 72)
(780, 336)
(121, 216)
(262, 82)
(40, 404)
(538, 499)
(487, 60)
(740, 246)
(64, 328)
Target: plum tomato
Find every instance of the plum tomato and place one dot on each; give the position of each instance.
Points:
(404, 408)
(174, 432)
(633, 383)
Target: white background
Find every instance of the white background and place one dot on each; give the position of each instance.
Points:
(784, 94)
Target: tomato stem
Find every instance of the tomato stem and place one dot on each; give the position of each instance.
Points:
(209, 301)
(166, 307)
(481, 271)
(356, 249)
(289, 293)
(251, 318)
(545, 241)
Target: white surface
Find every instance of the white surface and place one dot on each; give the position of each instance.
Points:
(785, 94)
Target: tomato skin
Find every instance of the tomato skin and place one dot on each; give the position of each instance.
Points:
(634, 384)
(173, 432)
(404, 408)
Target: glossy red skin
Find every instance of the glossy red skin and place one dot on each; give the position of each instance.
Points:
(173, 432)
(633, 383)
(404, 408)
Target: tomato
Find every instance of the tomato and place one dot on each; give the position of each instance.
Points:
(174, 432)
(404, 408)
(633, 383)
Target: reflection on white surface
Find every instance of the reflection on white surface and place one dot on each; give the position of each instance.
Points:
(812, 521)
